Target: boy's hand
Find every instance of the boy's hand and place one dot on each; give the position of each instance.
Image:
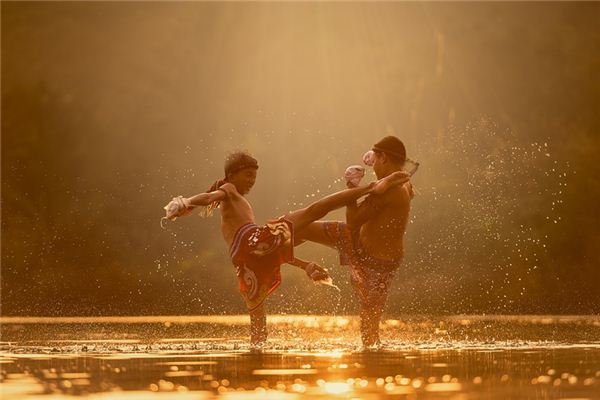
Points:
(393, 179)
(178, 207)
(316, 272)
(353, 175)
(369, 158)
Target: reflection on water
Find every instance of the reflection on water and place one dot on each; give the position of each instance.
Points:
(462, 357)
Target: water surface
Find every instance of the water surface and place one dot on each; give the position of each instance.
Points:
(459, 357)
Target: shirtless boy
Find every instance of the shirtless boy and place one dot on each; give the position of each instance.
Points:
(257, 252)
(371, 240)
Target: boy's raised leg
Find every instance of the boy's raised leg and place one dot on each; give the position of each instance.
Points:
(314, 232)
(320, 208)
(317, 210)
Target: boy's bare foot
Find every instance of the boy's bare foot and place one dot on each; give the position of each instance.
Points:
(376, 348)
(394, 179)
(257, 348)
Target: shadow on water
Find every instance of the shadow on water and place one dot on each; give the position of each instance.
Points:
(460, 357)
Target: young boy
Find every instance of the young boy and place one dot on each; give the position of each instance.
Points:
(371, 241)
(257, 252)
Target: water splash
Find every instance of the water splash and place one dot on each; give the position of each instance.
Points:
(489, 200)
(328, 282)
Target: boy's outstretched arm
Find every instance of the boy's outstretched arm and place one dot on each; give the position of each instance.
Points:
(181, 206)
(204, 199)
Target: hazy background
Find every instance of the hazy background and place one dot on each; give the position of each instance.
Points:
(111, 109)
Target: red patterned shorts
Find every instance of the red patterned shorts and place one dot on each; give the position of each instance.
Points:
(257, 253)
(370, 276)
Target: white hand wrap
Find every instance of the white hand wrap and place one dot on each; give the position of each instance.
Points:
(354, 174)
(177, 207)
(369, 158)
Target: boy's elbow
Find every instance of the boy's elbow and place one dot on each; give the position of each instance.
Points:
(200, 200)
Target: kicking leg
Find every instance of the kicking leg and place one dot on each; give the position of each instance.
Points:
(317, 210)
(314, 232)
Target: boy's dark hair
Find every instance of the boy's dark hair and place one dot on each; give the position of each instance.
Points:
(234, 162)
(237, 161)
(393, 147)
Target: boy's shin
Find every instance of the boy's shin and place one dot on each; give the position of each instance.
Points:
(258, 326)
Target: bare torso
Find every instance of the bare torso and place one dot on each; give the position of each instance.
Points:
(236, 211)
(382, 236)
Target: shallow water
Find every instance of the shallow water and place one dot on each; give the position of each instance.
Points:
(460, 357)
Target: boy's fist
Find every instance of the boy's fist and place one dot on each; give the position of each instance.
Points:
(353, 175)
(178, 207)
(369, 158)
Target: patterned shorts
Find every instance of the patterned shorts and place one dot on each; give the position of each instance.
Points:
(371, 277)
(257, 253)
